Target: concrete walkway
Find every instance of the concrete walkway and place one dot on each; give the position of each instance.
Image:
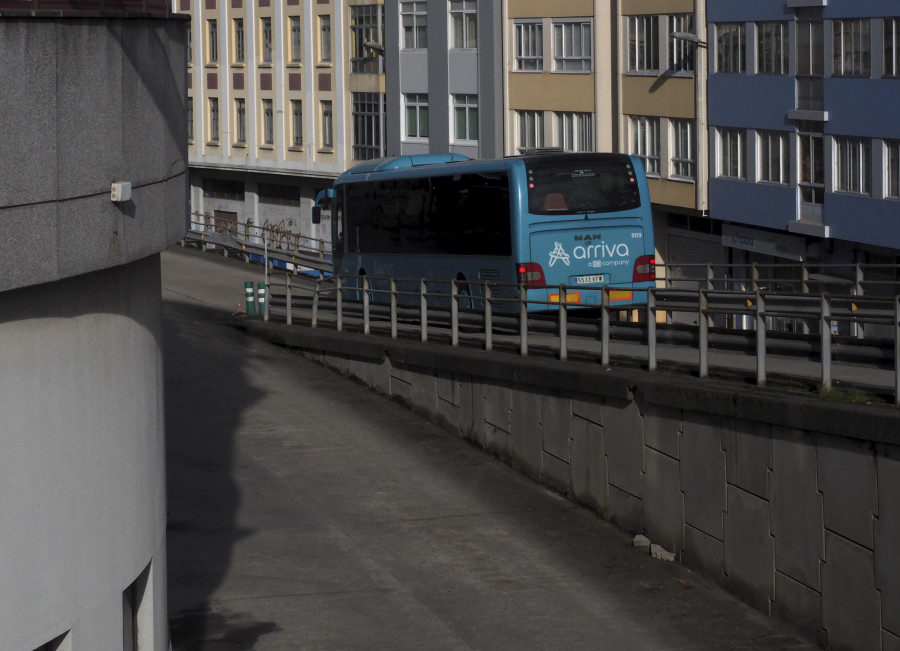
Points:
(307, 512)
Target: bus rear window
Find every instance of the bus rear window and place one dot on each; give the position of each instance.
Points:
(573, 184)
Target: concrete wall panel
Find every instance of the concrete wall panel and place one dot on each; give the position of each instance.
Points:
(749, 549)
(748, 455)
(556, 473)
(849, 488)
(589, 475)
(704, 553)
(31, 262)
(527, 444)
(797, 519)
(663, 501)
(556, 426)
(662, 429)
(851, 607)
(623, 443)
(800, 604)
(625, 509)
(887, 533)
(703, 475)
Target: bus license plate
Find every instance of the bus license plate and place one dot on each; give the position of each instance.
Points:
(590, 280)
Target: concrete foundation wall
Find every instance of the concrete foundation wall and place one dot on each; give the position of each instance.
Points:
(82, 474)
(790, 503)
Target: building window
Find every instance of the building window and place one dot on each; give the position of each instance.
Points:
(212, 38)
(240, 121)
(852, 165)
(463, 24)
(368, 116)
(681, 51)
(811, 177)
(892, 47)
(531, 129)
(572, 46)
(732, 152)
(296, 39)
(892, 186)
(214, 119)
(645, 142)
(265, 41)
(238, 40)
(327, 125)
(529, 46)
(190, 119)
(774, 156)
(575, 131)
(730, 48)
(643, 43)
(414, 18)
(366, 26)
(852, 48)
(416, 115)
(296, 123)
(268, 124)
(683, 148)
(465, 117)
(772, 48)
(324, 39)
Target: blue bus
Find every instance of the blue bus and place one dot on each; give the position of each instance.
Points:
(581, 220)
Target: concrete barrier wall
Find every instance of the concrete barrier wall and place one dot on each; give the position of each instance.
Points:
(789, 502)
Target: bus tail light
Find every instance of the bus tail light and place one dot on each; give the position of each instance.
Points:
(644, 269)
(530, 274)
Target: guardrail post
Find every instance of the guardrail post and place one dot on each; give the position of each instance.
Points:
(897, 350)
(454, 314)
(365, 300)
(604, 328)
(523, 321)
(563, 323)
(315, 304)
(250, 298)
(339, 303)
(488, 319)
(703, 323)
(423, 309)
(754, 271)
(858, 326)
(826, 341)
(261, 290)
(651, 330)
(287, 298)
(393, 308)
(760, 317)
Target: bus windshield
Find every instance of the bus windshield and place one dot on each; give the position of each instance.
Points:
(566, 185)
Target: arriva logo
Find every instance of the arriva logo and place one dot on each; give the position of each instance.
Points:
(599, 255)
(559, 253)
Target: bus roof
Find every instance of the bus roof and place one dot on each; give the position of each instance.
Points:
(404, 162)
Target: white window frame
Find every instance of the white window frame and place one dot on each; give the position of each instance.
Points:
(892, 169)
(852, 47)
(326, 111)
(414, 21)
(240, 54)
(324, 38)
(772, 48)
(268, 123)
(295, 31)
(190, 119)
(573, 45)
(645, 143)
(296, 124)
(212, 41)
(213, 108)
(683, 148)
(773, 157)
(852, 165)
(265, 40)
(530, 129)
(811, 162)
(891, 64)
(240, 121)
(529, 46)
(681, 52)
(463, 24)
(731, 48)
(731, 161)
(465, 107)
(366, 26)
(415, 111)
(643, 44)
(575, 131)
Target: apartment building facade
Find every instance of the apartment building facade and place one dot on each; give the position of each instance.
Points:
(803, 131)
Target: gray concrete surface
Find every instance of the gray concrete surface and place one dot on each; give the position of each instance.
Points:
(307, 512)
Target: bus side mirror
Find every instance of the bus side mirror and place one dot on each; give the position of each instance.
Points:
(316, 215)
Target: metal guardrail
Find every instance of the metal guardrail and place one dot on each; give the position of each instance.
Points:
(272, 242)
(447, 298)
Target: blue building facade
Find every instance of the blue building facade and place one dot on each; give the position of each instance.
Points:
(804, 130)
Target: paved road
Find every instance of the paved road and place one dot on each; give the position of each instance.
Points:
(307, 512)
